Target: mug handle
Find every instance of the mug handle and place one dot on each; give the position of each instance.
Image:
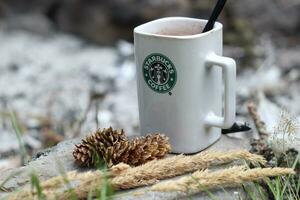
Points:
(229, 72)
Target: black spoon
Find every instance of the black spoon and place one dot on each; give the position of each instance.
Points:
(237, 127)
(214, 15)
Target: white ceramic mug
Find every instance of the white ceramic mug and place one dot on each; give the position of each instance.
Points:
(186, 88)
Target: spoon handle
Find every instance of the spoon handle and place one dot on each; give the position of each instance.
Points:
(214, 15)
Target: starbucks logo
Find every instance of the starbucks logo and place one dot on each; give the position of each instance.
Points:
(159, 73)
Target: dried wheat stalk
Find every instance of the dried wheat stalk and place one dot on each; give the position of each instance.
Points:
(202, 180)
(124, 177)
(178, 165)
(52, 186)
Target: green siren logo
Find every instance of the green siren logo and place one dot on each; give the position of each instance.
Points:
(159, 73)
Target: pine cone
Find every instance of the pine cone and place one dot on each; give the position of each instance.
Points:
(89, 151)
(85, 154)
(113, 154)
(114, 147)
(106, 137)
(138, 151)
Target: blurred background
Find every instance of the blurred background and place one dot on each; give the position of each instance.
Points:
(66, 66)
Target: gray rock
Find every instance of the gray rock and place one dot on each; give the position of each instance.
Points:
(50, 162)
(45, 164)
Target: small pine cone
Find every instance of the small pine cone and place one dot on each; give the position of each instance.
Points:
(90, 150)
(106, 137)
(148, 148)
(84, 154)
(138, 151)
(113, 154)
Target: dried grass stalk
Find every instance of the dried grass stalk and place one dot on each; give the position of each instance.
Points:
(57, 187)
(125, 177)
(202, 180)
(52, 186)
(178, 165)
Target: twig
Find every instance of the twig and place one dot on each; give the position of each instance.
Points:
(95, 97)
(259, 124)
(83, 119)
(96, 113)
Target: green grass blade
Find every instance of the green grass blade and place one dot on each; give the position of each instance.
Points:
(271, 186)
(18, 132)
(209, 194)
(63, 173)
(278, 188)
(298, 184)
(90, 195)
(106, 189)
(36, 186)
(249, 192)
(261, 193)
(285, 186)
(225, 192)
(2, 187)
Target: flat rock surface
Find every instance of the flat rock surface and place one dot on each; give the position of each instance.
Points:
(51, 162)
